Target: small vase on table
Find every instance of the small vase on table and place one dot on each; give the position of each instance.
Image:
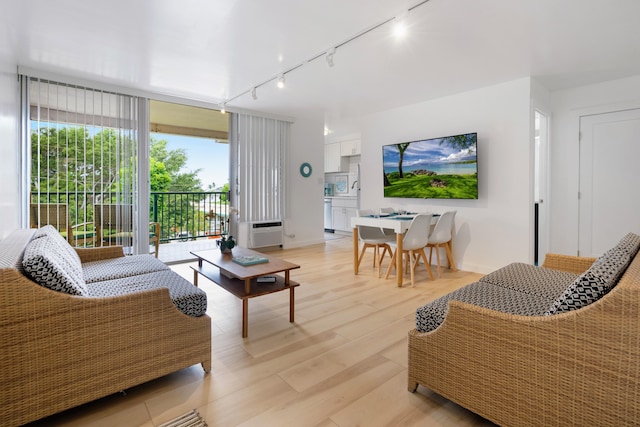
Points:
(226, 244)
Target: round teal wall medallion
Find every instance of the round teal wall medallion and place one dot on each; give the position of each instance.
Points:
(305, 170)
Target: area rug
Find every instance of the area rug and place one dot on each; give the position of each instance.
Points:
(190, 419)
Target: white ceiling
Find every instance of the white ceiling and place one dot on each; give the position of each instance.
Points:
(213, 50)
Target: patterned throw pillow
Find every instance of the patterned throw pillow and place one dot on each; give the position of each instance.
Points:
(629, 244)
(50, 232)
(50, 267)
(593, 284)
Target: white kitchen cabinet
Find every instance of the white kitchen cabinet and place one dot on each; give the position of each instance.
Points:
(350, 148)
(351, 212)
(332, 158)
(342, 210)
(338, 218)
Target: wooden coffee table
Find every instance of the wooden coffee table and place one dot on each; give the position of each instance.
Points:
(241, 281)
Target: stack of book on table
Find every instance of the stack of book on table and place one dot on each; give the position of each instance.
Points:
(249, 260)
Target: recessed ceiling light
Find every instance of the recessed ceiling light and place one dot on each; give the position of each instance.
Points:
(400, 25)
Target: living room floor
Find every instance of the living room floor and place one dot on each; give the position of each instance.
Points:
(342, 363)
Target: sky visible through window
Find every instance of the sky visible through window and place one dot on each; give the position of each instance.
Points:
(202, 153)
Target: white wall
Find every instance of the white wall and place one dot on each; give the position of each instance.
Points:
(9, 153)
(304, 224)
(568, 107)
(495, 229)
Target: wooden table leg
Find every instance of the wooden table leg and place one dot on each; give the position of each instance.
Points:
(291, 296)
(245, 309)
(195, 273)
(245, 317)
(291, 304)
(355, 250)
(399, 266)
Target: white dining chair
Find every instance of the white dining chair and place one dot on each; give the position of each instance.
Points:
(413, 244)
(373, 237)
(441, 237)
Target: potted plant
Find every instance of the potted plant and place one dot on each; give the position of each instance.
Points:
(226, 244)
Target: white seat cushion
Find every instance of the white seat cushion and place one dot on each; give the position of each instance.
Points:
(116, 268)
(187, 298)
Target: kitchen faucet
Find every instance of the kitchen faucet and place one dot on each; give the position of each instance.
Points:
(354, 184)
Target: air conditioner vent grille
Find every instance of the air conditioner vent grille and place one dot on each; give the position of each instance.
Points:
(266, 233)
(266, 224)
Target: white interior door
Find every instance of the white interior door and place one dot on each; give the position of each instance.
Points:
(609, 205)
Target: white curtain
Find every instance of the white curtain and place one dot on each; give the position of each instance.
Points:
(261, 156)
(83, 146)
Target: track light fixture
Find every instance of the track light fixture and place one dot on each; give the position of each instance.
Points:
(329, 56)
(399, 30)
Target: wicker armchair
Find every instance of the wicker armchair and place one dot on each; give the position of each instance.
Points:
(60, 351)
(572, 369)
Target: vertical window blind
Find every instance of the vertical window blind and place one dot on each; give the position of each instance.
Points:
(261, 149)
(83, 161)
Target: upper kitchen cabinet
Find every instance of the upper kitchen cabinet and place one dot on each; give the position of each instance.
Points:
(332, 157)
(336, 155)
(350, 148)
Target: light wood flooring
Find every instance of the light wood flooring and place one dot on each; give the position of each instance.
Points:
(342, 363)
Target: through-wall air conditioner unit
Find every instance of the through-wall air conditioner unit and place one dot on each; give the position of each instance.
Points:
(265, 233)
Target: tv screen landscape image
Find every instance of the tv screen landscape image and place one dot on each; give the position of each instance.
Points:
(438, 168)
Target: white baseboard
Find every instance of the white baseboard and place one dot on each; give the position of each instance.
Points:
(291, 245)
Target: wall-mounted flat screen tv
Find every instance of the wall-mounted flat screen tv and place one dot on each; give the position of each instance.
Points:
(438, 168)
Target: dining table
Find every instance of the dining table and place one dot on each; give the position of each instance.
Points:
(399, 223)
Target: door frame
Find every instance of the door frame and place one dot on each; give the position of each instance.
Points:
(541, 179)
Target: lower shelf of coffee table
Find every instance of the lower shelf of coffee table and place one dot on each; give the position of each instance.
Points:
(236, 286)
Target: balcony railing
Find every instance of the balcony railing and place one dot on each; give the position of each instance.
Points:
(182, 215)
